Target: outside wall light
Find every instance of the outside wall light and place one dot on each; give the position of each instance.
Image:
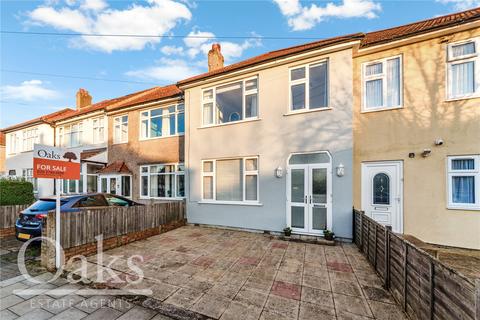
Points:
(340, 170)
(279, 172)
(426, 152)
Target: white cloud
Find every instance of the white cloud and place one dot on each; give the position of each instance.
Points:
(306, 17)
(29, 90)
(172, 50)
(461, 4)
(169, 70)
(158, 17)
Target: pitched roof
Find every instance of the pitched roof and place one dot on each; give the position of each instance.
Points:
(274, 55)
(90, 153)
(49, 118)
(152, 94)
(420, 27)
(115, 167)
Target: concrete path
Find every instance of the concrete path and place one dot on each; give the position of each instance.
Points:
(223, 274)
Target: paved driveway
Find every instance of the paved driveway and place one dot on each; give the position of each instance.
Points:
(226, 274)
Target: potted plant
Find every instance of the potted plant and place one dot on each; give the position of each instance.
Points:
(328, 235)
(287, 231)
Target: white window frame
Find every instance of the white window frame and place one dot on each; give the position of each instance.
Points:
(148, 174)
(475, 58)
(306, 81)
(213, 174)
(14, 145)
(176, 113)
(62, 133)
(244, 94)
(118, 140)
(30, 137)
(456, 173)
(385, 84)
(98, 125)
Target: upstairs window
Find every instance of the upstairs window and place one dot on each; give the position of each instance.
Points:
(98, 130)
(30, 136)
(232, 102)
(464, 182)
(71, 135)
(463, 69)
(14, 143)
(309, 87)
(163, 122)
(120, 129)
(382, 84)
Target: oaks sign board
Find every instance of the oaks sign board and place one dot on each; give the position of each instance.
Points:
(55, 163)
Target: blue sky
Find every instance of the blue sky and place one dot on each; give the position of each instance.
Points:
(139, 63)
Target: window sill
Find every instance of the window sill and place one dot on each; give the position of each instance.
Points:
(472, 96)
(292, 113)
(459, 207)
(163, 137)
(235, 203)
(381, 109)
(162, 198)
(228, 123)
(124, 142)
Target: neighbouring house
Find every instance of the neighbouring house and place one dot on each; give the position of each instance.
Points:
(2, 153)
(417, 128)
(20, 139)
(269, 141)
(145, 146)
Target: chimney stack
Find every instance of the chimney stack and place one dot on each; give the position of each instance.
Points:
(215, 58)
(83, 98)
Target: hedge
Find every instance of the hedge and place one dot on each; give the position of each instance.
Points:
(16, 192)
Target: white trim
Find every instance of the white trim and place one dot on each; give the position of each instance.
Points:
(475, 173)
(385, 84)
(235, 203)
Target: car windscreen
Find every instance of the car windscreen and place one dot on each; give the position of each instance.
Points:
(44, 205)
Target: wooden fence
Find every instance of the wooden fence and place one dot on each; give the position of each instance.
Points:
(421, 284)
(9, 214)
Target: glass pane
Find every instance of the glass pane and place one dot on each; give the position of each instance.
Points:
(251, 106)
(156, 127)
(251, 84)
(298, 96)
(72, 186)
(144, 128)
(181, 123)
(309, 158)
(125, 119)
(126, 186)
(92, 183)
(104, 185)
(145, 186)
(318, 86)
(208, 166)
(251, 164)
(208, 94)
(180, 167)
(374, 93)
(171, 124)
(463, 164)
(180, 185)
(298, 217)
(372, 69)
(319, 185)
(161, 185)
(381, 189)
(298, 185)
(319, 218)
(208, 113)
(463, 49)
(229, 102)
(251, 188)
(297, 74)
(144, 169)
(229, 180)
(463, 78)
(80, 184)
(157, 112)
(207, 187)
(463, 189)
(92, 168)
(180, 107)
(113, 185)
(393, 82)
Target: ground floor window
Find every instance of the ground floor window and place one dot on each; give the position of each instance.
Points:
(464, 182)
(230, 179)
(28, 176)
(92, 177)
(162, 181)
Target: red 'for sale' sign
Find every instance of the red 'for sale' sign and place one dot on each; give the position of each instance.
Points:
(55, 163)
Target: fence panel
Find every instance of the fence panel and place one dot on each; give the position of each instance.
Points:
(9, 214)
(421, 284)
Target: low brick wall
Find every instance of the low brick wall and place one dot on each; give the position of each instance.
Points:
(7, 232)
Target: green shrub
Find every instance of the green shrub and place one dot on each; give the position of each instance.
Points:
(16, 192)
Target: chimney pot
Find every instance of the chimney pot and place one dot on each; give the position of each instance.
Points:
(215, 58)
(83, 98)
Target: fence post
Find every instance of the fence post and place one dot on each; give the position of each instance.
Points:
(353, 226)
(361, 232)
(387, 258)
(477, 299)
(431, 286)
(375, 248)
(405, 263)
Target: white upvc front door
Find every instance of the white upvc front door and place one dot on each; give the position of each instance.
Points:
(382, 193)
(309, 205)
(116, 184)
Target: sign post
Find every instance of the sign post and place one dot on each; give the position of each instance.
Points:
(56, 163)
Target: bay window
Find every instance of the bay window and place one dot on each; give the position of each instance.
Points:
(233, 180)
(382, 84)
(162, 122)
(120, 129)
(309, 87)
(231, 102)
(463, 69)
(98, 130)
(464, 182)
(71, 135)
(162, 181)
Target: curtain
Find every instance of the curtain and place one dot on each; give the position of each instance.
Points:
(393, 81)
(462, 78)
(463, 189)
(463, 49)
(373, 69)
(463, 164)
(229, 180)
(374, 93)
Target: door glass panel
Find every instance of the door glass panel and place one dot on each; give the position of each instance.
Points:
(104, 185)
(298, 185)
(319, 218)
(126, 186)
(298, 217)
(381, 189)
(113, 185)
(319, 185)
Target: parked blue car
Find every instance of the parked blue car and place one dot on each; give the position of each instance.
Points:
(30, 222)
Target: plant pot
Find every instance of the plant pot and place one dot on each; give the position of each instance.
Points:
(287, 234)
(328, 237)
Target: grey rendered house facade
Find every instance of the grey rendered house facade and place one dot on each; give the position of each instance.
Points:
(269, 141)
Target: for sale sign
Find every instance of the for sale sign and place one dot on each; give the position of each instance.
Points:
(55, 163)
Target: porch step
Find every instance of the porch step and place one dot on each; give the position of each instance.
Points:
(307, 239)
